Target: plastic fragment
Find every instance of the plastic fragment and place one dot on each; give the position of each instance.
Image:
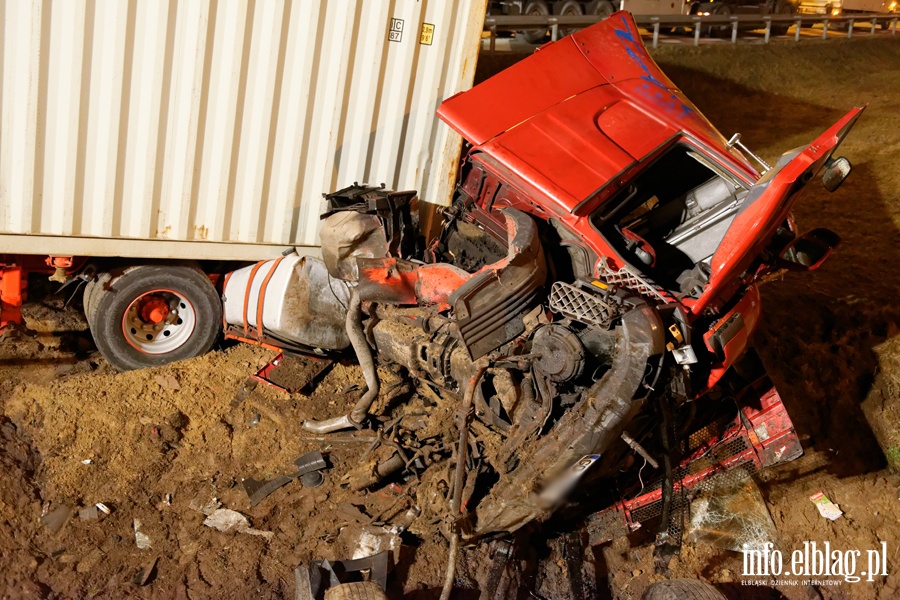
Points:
(225, 519)
(827, 508)
(141, 539)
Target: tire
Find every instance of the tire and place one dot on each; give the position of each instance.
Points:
(569, 8)
(601, 8)
(153, 315)
(720, 31)
(682, 589)
(361, 590)
(91, 297)
(535, 7)
(783, 9)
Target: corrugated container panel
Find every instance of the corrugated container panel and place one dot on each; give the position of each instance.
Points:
(221, 120)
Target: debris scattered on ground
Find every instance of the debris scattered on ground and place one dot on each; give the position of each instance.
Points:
(325, 574)
(167, 381)
(827, 508)
(258, 490)
(141, 539)
(57, 519)
(293, 373)
(225, 519)
(732, 516)
(309, 468)
(144, 576)
(245, 390)
(207, 508)
(91, 513)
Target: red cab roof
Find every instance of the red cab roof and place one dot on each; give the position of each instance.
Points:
(579, 111)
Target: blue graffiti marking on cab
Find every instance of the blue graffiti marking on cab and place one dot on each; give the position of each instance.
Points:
(663, 97)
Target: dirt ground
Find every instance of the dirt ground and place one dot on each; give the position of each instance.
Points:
(156, 446)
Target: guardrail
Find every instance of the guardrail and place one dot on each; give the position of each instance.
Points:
(696, 23)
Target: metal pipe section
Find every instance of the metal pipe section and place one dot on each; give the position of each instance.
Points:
(464, 415)
(366, 361)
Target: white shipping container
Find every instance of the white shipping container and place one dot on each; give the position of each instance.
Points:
(211, 128)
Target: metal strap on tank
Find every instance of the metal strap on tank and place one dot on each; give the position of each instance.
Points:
(225, 285)
(260, 329)
(247, 294)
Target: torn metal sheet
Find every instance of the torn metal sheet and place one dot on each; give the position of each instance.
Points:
(292, 374)
(308, 466)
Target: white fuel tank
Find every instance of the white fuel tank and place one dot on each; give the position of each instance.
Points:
(295, 297)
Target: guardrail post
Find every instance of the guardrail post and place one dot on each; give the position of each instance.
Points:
(768, 21)
(797, 32)
(850, 29)
(824, 29)
(696, 31)
(655, 31)
(873, 27)
(493, 42)
(554, 28)
(734, 24)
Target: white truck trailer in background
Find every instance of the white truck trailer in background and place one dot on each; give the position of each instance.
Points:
(847, 8)
(174, 131)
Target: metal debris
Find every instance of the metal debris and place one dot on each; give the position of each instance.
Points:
(259, 490)
(292, 373)
(242, 394)
(144, 576)
(308, 467)
(503, 551)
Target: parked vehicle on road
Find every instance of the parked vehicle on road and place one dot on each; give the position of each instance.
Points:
(604, 8)
(847, 8)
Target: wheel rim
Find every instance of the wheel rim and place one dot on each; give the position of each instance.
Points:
(159, 322)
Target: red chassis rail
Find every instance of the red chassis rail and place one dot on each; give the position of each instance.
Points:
(759, 436)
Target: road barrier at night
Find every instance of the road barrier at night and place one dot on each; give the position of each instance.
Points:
(697, 24)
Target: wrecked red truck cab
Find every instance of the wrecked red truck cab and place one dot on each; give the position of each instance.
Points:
(590, 136)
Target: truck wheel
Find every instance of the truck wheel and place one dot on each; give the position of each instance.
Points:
(682, 589)
(153, 315)
(535, 8)
(360, 590)
(784, 9)
(722, 10)
(90, 298)
(601, 8)
(569, 8)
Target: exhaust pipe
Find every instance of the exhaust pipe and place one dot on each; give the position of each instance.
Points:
(360, 411)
